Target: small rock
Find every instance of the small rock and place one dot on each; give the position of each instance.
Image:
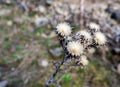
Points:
(61, 11)
(56, 52)
(44, 63)
(72, 7)
(42, 9)
(12, 69)
(23, 6)
(4, 12)
(8, 2)
(117, 44)
(116, 15)
(10, 23)
(3, 84)
(49, 2)
(18, 20)
(46, 2)
(41, 21)
(109, 9)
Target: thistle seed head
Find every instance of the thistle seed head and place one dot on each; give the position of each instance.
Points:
(100, 38)
(75, 48)
(83, 60)
(86, 35)
(94, 27)
(64, 29)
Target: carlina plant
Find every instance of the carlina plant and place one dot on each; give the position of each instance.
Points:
(76, 45)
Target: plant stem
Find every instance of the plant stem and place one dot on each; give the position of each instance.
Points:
(52, 79)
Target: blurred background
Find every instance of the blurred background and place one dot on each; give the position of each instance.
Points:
(29, 46)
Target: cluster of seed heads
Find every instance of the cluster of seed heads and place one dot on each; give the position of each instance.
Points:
(75, 45)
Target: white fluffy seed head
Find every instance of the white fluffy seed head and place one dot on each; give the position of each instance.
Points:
(75, 48)
(86, 35)
(83, 60)
(64, 29)
(94, 26)
(100, 38)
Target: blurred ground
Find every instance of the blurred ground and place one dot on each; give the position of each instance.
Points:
(28, 45)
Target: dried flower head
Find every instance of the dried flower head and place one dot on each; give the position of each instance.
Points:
(100, 38)
(94, 27)
(64, 29)
(83, 60)
(75, 48)
(83, 34)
